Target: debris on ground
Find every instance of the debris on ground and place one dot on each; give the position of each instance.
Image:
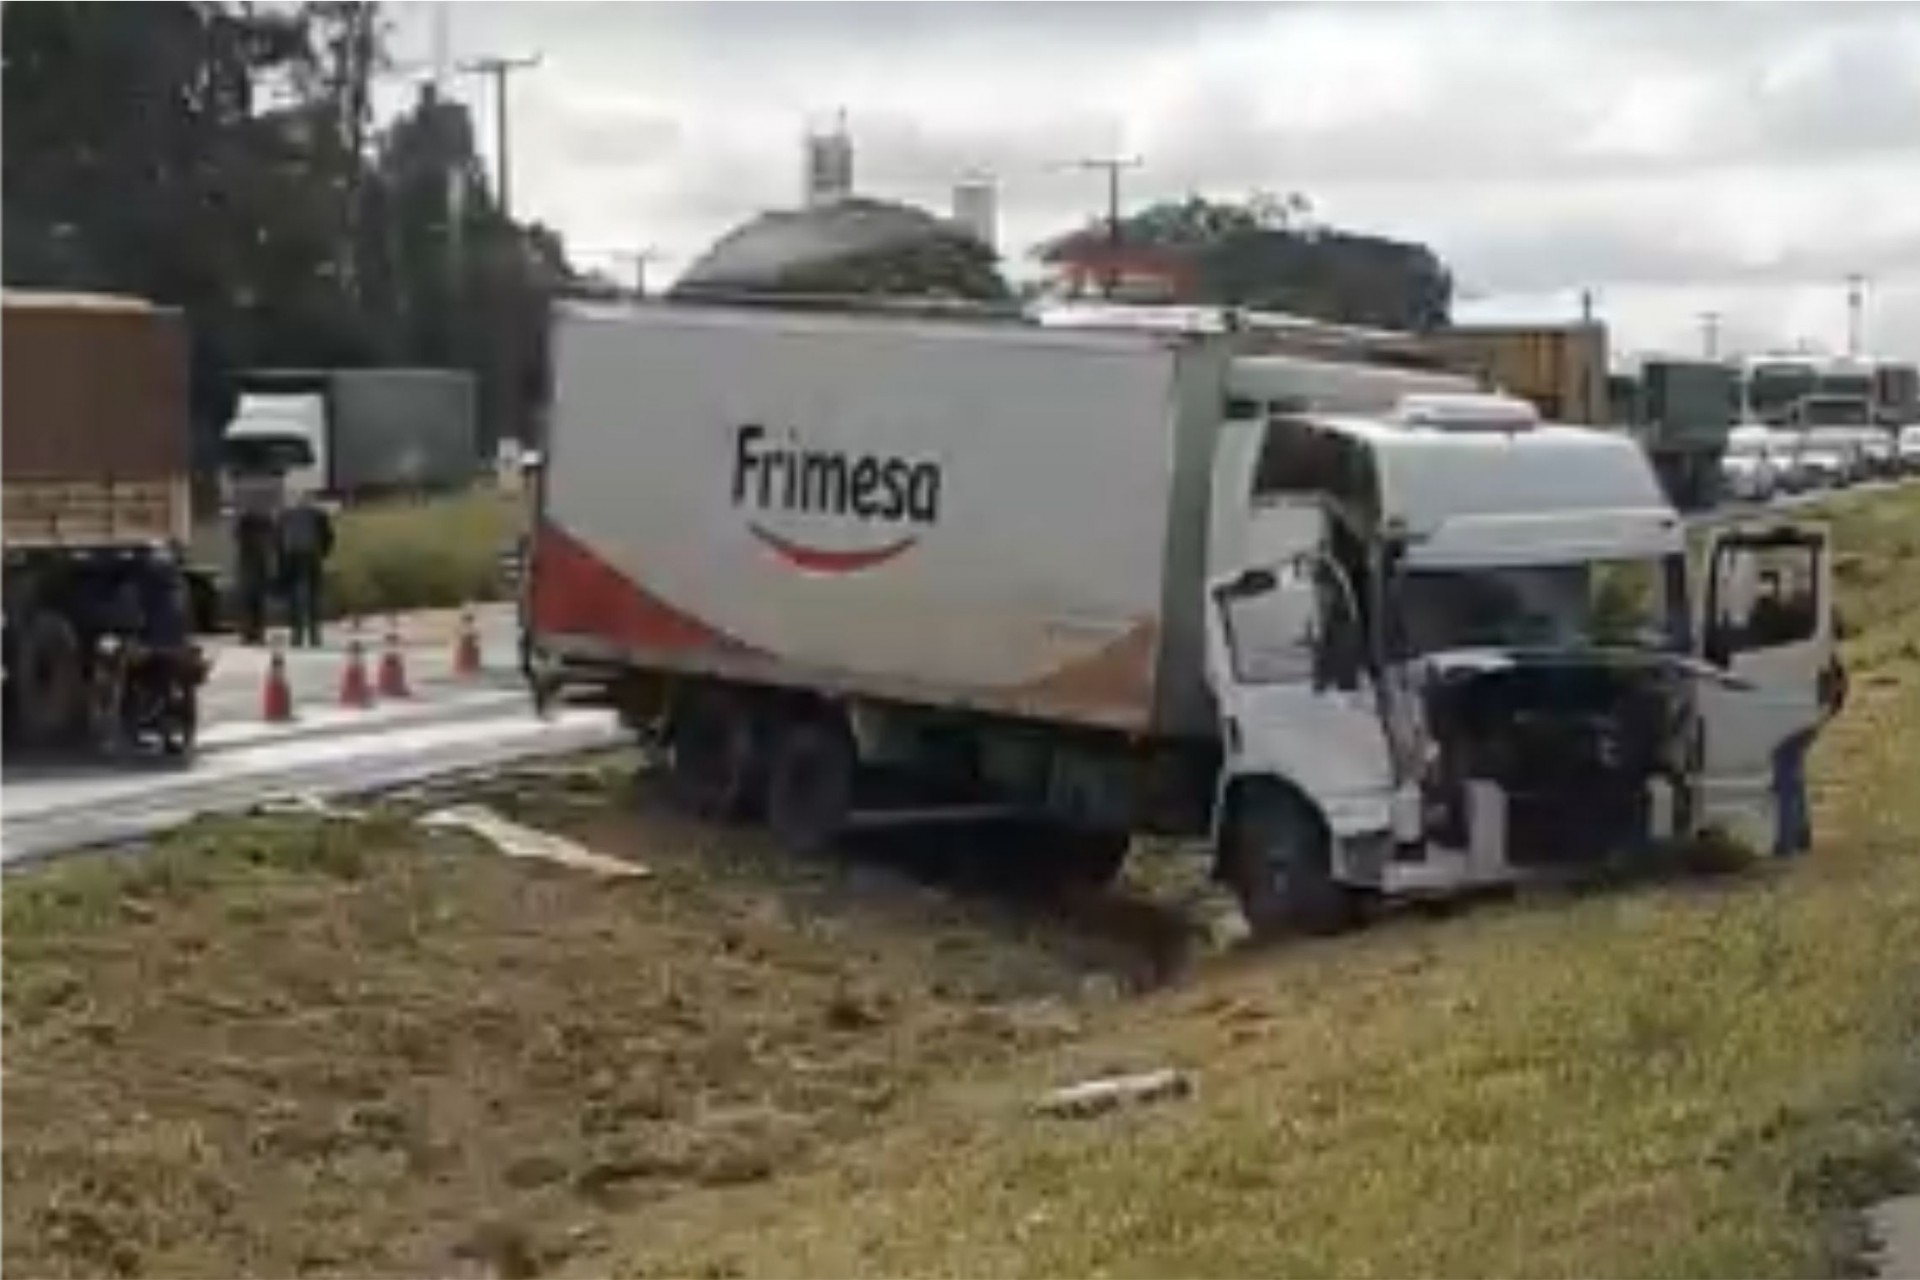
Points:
(307, 804)
(518, 841)
(1096, 1097)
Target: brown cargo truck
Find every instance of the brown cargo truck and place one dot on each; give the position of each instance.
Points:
(97, 502)
(1561, 368)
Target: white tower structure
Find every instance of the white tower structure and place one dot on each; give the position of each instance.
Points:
(829, 165)
(976, 207)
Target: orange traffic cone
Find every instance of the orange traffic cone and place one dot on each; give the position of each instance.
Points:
(466, 653)
(276, 697)
(355, 689)
(393, 666)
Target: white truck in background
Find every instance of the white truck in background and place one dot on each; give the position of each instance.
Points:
(354, 433)
(865, 569)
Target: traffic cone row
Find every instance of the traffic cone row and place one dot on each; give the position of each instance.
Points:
(357, 692)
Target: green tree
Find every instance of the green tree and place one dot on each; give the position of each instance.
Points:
(222, 158)
(1266, 252)
(851, 248)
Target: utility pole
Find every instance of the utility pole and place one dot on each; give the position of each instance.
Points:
(1710, 333)
(1856, 308)
(1112, 167)
(639, 258)
(498, 69)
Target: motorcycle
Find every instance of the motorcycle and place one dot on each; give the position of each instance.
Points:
(146, 696)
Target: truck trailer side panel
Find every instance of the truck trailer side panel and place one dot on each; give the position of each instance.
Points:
(953, 514)
(406, 429)
(95, 407)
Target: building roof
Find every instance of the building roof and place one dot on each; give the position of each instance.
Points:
(764, 250)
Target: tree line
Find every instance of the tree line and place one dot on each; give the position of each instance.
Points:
(224, 158)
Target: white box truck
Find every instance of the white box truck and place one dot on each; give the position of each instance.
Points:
(355, 433)
(1369, 631)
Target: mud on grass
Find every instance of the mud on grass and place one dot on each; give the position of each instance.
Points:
(280, 1046)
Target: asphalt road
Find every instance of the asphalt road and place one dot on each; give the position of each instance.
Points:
(449, 725)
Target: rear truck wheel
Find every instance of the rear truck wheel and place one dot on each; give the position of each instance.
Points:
(50, 694)
(716, 755)
(810, 787)
(1277, 861)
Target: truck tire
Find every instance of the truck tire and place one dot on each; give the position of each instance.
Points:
(1093, 858)
(810, 785)
(1277, 862)
(716, 757)
(50, 694)
(1057, 862)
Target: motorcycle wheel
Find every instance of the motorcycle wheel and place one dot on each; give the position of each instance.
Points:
(180, 726)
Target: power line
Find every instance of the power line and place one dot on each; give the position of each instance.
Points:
(498, 69)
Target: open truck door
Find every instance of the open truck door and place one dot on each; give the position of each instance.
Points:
(1766, 623)
(1286, 658)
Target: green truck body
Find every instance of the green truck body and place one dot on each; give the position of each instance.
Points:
(1682, 412)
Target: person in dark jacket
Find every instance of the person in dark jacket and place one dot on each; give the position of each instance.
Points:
(253, 546)
(306, 540)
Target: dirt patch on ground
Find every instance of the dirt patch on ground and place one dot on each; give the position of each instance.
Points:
(289, 1046)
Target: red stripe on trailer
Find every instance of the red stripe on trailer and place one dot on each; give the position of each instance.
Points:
(576, 592)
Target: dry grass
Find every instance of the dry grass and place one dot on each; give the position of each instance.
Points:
(271, 1048)
(275, 1047)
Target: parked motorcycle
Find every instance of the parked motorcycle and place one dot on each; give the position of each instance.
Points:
(146, 697)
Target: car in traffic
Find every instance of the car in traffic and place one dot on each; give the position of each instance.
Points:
(1826, 464)
(1749, 470)
(1879, 453)
(1908, 449)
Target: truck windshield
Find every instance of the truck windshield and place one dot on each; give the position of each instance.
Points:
(1612, 604)
(1835, 411)
(1858, 386)
(1772, 389)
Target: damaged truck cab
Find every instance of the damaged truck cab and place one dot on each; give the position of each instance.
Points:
(1456, 646)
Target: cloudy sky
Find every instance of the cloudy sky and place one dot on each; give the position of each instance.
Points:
(1675, 158)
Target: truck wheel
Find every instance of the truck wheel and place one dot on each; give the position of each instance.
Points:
(810, 791)
(1086, 860)
(49, 692)
(715, 760)
(1278, 865)
(1058, 862)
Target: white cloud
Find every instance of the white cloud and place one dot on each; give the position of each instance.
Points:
(1676, 157)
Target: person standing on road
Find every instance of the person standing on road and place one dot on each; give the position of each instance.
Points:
(306, 540)
(253, 538)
